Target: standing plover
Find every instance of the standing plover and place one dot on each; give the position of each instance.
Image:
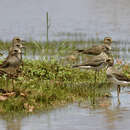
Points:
(116, 76)
(95, 64)
(97, 49)
(11, 65)
(17, 42)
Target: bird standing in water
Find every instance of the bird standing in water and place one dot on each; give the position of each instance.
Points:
(116, 77)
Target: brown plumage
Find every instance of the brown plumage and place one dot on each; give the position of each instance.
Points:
(11, 64)
(97, 49)
(91, 64)
(116, 77)
(121, 77)
(17, 42)
(94, 63)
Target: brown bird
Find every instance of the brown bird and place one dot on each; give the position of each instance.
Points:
(11, 65)
(96, 63)
(97, 49)
(17, 42)
(116, 76)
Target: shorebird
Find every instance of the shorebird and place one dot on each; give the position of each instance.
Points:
(95, 64)
(11, 65)
(97, 49)
(17, 42)
(116, 76)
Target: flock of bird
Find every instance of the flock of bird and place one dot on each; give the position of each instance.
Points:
(11, 65)
(101, 57)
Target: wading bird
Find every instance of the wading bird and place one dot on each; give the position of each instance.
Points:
(11, 65)
(17, 42)
(95, 64)
(116, 76)
(97, 49)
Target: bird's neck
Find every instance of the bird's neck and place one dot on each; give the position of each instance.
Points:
(109, 70)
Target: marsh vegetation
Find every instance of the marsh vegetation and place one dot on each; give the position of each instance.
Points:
(48, 79)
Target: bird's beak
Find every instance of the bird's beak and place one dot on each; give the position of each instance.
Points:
(23, 41)
(107, 52)
(24, 47)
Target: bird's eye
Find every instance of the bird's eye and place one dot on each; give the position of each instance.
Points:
(108, 40)
(15, 50)
(18, 45)
(18, 40)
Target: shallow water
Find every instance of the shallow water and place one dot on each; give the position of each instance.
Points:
(69, 19)
(106, 114)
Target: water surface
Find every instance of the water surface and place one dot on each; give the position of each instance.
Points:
(69, 19)
(106, 114)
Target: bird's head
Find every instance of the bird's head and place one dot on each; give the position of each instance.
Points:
(17, 42)
(15, 51)
(110, 62)
(107, 40)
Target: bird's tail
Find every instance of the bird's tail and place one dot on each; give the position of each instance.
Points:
(83, 66)
(2, 72)
(76, 66)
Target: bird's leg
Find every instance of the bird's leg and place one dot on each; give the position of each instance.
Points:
(95, 76)
(22, 64)
(118, 90)
(98, 73)
(119, 100)
(13, 84)
(7, 81)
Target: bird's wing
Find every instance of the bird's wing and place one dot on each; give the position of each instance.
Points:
(96, 60)
(2, 72)
(5, 64)
(93, 64)
(121, 76)
(94, 50)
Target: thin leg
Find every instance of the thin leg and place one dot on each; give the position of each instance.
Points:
(7, 81)
(13, 84)
(98, 73)
(118, 100)
(118, 90)
(95, 76)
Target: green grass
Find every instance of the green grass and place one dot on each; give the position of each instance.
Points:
(51, 81)
(62, 49)
(45, 85)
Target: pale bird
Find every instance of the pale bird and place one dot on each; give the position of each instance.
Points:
(116, 76)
